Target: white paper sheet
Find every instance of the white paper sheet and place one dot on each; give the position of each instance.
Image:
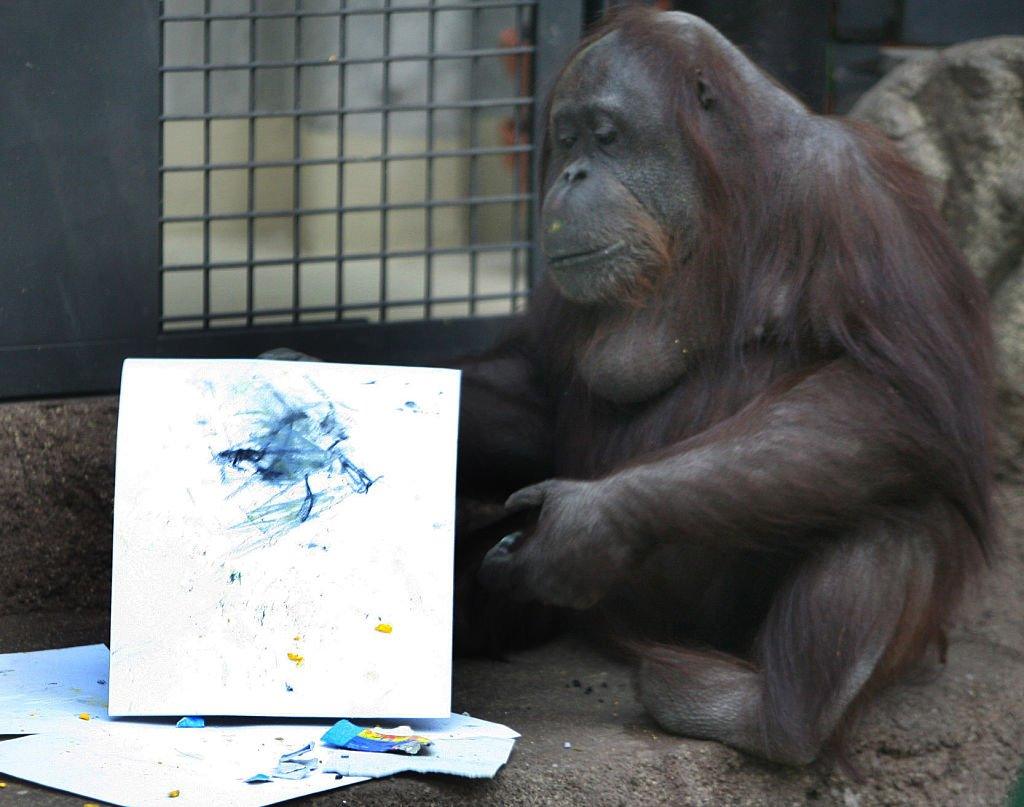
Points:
(283, 537)
(138, 762)
(461, 727)
(477, 758)
(133, 765)
(48, 690)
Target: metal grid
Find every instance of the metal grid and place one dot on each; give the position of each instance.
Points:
(281, 204)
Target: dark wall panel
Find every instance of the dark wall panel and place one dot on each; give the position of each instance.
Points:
(79, 95)
(941, 22)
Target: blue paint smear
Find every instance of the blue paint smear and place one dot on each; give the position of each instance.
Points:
(341, 733)
(191, 723)
(290, 443)
(345, 734)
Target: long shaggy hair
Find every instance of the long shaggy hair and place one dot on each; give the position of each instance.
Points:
(816, 241)
(816, 256)
(823, 255)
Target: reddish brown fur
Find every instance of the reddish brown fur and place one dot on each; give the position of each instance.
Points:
(805, 262)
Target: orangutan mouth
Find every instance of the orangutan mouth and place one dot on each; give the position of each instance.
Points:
(587, 256)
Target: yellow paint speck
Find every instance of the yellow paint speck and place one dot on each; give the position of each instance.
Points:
(297, 658)
(90, 804)
(85, 716)
(174, 794)
(383, 627)
(556, 225)
(297, 638)
(3, 785)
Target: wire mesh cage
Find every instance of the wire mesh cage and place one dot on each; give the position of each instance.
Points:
(344, 160)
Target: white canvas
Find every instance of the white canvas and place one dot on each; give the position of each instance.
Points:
(51, 690)
(283, 538)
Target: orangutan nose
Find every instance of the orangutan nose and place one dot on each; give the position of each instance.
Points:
(576, 172)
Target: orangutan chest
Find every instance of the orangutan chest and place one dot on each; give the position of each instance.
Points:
(632, 367)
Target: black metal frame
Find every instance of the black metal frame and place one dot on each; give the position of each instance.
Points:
(79, 156)
(91, 362)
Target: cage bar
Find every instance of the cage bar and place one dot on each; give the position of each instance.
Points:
(465, 201)
(474, 164)
(387, 59)
(384, 141)
(207, 55)
(297, 157)
(346, 12)
(428, 279)
(339, 223)
(322, 112)
(483, 151)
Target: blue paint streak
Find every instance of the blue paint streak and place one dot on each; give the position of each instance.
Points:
(291, 442)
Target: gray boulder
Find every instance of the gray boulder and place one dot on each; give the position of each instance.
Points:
(958, 114)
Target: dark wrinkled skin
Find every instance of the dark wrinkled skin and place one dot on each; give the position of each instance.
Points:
(745, 422)
(615, 166)
(572, 533)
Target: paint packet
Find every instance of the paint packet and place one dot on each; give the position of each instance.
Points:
(345, 734)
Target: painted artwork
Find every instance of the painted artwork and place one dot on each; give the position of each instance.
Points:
(284, 443)
(283, 539)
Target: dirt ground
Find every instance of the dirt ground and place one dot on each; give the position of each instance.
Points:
(952, 735)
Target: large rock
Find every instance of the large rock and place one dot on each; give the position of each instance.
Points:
(958, 114)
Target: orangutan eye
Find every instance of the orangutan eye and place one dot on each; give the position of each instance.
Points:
(566, 141)
(606, 136)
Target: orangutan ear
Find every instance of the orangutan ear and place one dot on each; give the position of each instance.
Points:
(705, 92)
